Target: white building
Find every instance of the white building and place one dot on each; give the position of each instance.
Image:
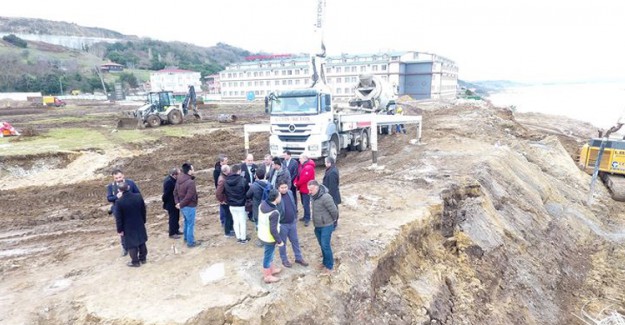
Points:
(176, 80)
(420, 75)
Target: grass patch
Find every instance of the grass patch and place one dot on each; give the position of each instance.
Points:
(55, 140)
(63, 119)
(133, 136)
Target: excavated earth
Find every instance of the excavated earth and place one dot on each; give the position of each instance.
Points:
(486, 221)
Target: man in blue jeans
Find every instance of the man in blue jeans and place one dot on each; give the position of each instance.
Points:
(185, 195)
(324, 215)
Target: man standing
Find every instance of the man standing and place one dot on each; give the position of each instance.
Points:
(268, 233)
(220, 194)
(130, 218)
(235, 189)
(288, 225)
(248, 169)
(279, 173)
(113, 195)
(305, 174)
(292, 166)
(169, 203)
(185, 195)
(255, 192)
(331, 182)
(221, 161)
(325, 215)
(267, 166)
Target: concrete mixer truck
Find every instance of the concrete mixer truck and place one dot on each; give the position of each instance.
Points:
(306, 121)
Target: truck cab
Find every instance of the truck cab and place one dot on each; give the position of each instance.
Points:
(302, 121)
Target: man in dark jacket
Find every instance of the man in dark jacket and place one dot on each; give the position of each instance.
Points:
(248, 170)
(292, 165)
(220, 195)
(288, 225)
(113, 193)
(235, 190)
(130, 218)
(331, 182)
(325, 214)
(185, 195)
(255, 192)
(221, 161)
(169, 203)
(279, 173)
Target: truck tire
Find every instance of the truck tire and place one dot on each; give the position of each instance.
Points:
(333, 150)
(153, 121)
(174, 117)
(364, 140)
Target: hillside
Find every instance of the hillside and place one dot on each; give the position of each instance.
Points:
(60, 54)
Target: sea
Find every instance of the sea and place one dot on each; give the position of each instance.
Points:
(601, 104)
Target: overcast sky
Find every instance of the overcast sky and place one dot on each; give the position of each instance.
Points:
(529, 40)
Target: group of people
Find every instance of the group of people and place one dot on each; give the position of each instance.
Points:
(265, 194)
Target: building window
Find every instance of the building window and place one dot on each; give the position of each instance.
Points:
(354, 69)
(276, 72)
(363, 68)
(290, 82)
(338, 69)
(394, 58)
(290, 72)
(284, 82)
(374, 67)
(338, 80)
(284, 72)
(266, 73)
(347, 90)
(297, 81)
(277, 82)
(255, 74)
(255, 83)
(306, 71)
(249, 84)
(383, 67)
(338, 91)
(296, 71)
(262, 83)
(241, 84)
(329, 70)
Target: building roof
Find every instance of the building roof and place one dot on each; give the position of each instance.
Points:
(174, 70)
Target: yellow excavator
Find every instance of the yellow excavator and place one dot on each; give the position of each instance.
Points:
(605, 157)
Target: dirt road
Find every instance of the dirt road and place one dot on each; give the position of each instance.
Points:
(483, 222)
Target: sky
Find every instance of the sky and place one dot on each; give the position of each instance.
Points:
(527, 41)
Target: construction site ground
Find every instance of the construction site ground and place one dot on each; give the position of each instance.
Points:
(486, 221)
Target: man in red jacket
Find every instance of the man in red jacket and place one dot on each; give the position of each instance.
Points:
(306, 173)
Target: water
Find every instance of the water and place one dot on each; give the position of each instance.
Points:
(600, 104)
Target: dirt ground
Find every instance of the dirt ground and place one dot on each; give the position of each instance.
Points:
(485, 221)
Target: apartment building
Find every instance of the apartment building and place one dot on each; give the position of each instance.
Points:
(420, 75)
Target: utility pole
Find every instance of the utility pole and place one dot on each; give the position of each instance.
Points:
(61, 85)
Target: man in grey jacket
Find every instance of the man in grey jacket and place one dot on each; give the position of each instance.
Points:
(324, 215)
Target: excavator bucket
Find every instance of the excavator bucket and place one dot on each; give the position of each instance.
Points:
(129, 123)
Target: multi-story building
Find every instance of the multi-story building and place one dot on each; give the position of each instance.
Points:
(213, 86)
(176, 80)
(419, 75)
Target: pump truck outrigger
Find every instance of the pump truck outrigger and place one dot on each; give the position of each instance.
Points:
(160, 108)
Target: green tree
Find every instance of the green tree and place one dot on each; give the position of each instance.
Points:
(11, 38)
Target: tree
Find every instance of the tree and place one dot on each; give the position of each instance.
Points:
(130, 79)
(11, 38)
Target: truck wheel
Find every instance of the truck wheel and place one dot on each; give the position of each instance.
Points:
(174, 117)
(364, 141)
(333, 151)
(153, 121)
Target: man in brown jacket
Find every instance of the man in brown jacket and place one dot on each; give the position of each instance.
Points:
(220, 194)
(185, 195)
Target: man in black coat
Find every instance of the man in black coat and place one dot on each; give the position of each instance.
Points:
(292, 166)
(169, 203)
(331, 181)
(130, 217)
